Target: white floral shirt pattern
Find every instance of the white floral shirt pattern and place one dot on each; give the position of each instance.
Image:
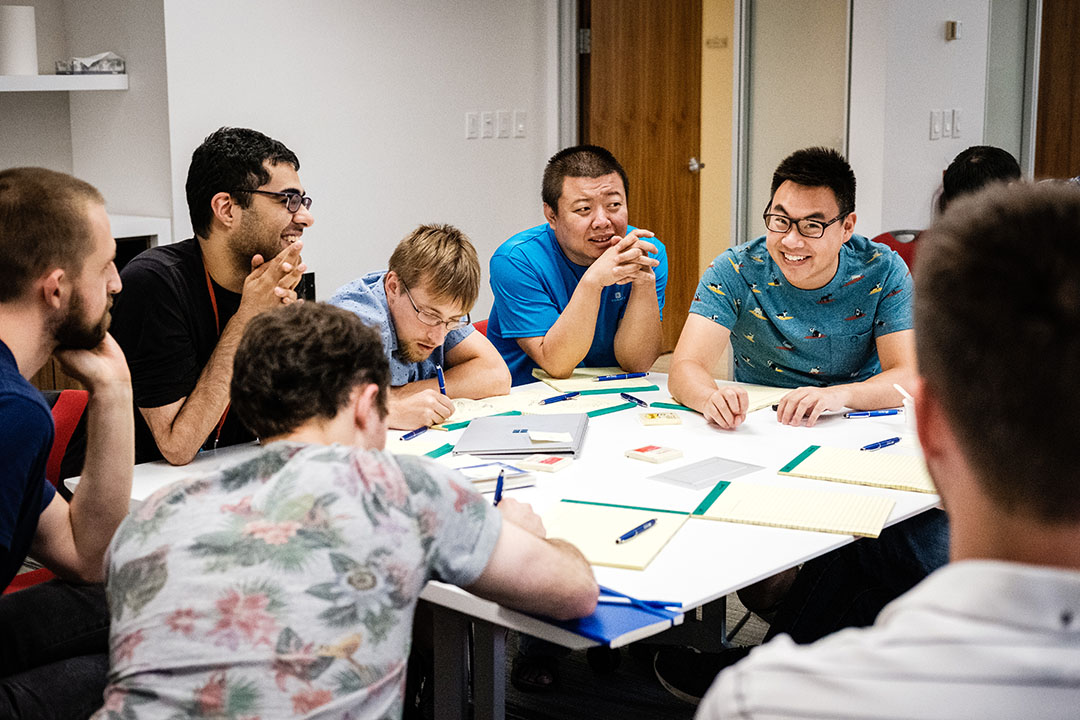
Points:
(285, 586)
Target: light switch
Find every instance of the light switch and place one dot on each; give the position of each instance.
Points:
(504, 123)
(519, 123)
(946, 124)
(472, 125)
(487, 124)
(956, 122)
(935, 124)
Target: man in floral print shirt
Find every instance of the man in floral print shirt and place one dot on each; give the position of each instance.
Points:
(285, 586)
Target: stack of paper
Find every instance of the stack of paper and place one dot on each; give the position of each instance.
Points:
(594, 527)
(878, 469)
(797, 508)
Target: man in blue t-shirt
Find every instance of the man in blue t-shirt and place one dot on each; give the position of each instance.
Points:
(420, 306)
(584, 289)
(810, 305)
(55, 293)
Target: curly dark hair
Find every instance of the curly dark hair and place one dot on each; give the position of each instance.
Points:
(302, 361)
(230, 160)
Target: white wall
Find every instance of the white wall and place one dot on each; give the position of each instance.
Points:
(901, 69)
(34, 125)
(372, 98)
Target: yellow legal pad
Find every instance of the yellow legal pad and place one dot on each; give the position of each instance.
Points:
(583, 380)
(594, 527)
(797, 508)
(896, 472)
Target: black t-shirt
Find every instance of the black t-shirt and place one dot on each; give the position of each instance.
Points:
(163, 320)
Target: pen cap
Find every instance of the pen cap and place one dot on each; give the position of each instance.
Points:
(909, 417)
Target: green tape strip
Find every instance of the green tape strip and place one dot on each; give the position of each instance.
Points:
(465, 423)
(614, 408)
(802, 456)
(439, 451)
(672, 406)
(625, 507)
(606, 391)
(711, 498)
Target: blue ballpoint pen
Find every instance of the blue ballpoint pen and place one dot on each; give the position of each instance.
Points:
(631, 398)
(498, 488)
(559, 398)
(881, 444)
(442, 380)
(623, 376)
(871, 413)
(636, 531)
(413, 433)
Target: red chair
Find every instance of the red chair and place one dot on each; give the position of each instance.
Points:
(67, 410)
(481, 326)
(903, 242)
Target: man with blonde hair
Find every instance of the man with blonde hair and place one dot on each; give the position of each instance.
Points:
(421, 305)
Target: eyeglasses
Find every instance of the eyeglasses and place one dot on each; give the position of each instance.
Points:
(807, 228)
(293, 199)
(431, 319)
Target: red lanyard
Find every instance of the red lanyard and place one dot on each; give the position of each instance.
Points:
(217, 326)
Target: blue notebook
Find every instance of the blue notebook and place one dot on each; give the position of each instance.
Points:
(616, 625)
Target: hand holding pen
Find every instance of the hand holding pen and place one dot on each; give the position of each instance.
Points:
(559, 398)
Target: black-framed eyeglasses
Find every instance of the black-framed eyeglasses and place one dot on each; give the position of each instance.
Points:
(431, 319)
(777, 223)
(293, 199)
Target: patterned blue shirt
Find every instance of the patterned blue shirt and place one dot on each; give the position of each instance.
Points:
(787, 337)
(366, 297)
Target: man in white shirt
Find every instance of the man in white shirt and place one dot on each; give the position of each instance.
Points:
(996, 633)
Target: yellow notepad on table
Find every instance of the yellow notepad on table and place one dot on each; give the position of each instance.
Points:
(761, 396)
(467, 410)
(796, 508)
(594, 527)
(860, 467)
(584, 380)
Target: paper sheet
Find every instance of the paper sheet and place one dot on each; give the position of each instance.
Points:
(801, 509)
(584, 379)
(761, 396)
(526, 403)
(593, 529)
(859, 467)
(420, 445)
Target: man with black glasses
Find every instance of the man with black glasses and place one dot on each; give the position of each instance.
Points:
(809, 305)
(184, 306)
(421, 305)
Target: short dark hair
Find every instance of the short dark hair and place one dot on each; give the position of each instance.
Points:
(818, 167)
(443, 255)
(975, 168)
(301, 362)
(43, 225)
(230, 160)
(998, 338)
(589, 161)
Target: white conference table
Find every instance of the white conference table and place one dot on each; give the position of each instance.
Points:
(706, 559)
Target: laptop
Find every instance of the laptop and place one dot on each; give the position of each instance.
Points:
(522, 435)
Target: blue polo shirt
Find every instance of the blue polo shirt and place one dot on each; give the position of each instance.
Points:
(787, 337)
(26, 436)
(366, 297)
(533, 281)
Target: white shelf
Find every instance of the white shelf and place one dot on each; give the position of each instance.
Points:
(159, 229)
(61, 83)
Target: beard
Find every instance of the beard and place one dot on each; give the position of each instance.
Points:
(412, 353)
(74, 332)
(255, 237)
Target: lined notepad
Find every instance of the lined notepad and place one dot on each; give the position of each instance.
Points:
(878, 469)
(761, 396)
(583, 380)
(593, 528)
(525, 403)
(797, 508)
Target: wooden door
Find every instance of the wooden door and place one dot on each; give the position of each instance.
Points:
(1057, 128)
(644, 105)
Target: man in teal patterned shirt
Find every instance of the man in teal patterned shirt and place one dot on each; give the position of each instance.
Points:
(810, 306)
(285, 586)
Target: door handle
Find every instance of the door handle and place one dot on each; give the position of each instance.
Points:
(696, 165)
